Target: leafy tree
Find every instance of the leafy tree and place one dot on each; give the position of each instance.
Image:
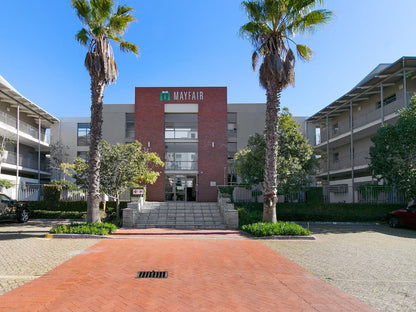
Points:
(393, 156)
(103, 24)
(295, 162)
(271, 28)
(122, 166)
(58, 155)
(3, 152)
(6, 183)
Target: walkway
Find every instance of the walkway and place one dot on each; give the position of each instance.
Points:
(207, 271)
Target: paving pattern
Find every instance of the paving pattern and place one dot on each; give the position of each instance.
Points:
(26, 255)
(373, 263)
(203, 275)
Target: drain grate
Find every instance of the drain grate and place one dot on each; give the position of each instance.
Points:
(152, 274)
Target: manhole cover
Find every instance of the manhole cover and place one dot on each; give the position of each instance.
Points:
(152, 274)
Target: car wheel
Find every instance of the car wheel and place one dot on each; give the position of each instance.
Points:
(394, 222)
(24, 216)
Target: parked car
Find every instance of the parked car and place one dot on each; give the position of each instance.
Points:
(403, 217)
(13, 210)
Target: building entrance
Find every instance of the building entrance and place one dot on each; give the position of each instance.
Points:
(180, 187)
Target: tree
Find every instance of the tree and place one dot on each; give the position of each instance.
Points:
(103, 24)
(393, 156)
(295, 162)
(3, 152)
(58, 155)
(122, 166)
(271, 28)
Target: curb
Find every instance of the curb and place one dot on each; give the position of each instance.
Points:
(285, 237)
(79, 236)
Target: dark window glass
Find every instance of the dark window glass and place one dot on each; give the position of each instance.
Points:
(84, 134)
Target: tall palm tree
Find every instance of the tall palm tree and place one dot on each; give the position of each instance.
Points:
(102, 24)
(271, 28)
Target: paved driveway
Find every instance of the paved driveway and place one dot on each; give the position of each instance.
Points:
(375, 263)
(25, 254)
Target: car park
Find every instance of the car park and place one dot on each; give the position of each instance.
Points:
(11, 209)
(403, 217)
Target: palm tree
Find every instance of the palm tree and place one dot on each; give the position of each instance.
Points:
(271, 28)
(102, 24)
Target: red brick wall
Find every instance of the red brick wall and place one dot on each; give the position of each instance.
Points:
(212, 128)
(150, 127)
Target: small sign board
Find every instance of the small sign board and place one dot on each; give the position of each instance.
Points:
(137, 192)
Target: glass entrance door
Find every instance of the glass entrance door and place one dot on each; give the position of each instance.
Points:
(180, 187)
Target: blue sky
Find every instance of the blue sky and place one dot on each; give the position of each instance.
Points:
(196, 43)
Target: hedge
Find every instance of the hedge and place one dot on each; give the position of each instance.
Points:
(253, 212)
(66, 209)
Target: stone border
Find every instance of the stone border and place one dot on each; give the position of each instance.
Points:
(285, 237)
(78, 236)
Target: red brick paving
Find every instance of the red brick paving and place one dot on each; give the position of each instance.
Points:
(211, 274)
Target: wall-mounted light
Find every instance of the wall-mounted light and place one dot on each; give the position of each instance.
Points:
(212, 144)
(148, 143)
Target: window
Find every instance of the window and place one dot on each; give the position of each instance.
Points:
(317, 136)
(387, 101)
(231, 149)
(232, 125)
(335, 128)
(335, 157)
(181, 156)
(130, 126)
(181, 126)
(83, 134)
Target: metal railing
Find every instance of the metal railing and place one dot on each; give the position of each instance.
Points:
(25, 127)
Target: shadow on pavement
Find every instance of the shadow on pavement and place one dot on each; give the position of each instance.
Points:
(317, 228)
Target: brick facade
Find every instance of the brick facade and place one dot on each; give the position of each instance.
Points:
(212, 132)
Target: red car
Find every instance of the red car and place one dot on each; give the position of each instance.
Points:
(403, 217)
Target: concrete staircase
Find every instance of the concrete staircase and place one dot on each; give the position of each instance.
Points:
(180, 215)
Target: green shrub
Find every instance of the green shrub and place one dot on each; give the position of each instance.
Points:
(46, 214)
(84, 228)
(279, 228)
(52, 193)
(340, 212)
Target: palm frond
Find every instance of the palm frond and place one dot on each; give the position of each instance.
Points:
(119, 23)
(82, 37)
(304, 52)
(82, 9)
(126, 46)
(101, 10)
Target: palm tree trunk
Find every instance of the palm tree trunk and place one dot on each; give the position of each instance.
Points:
(93, 199)
(270, 166)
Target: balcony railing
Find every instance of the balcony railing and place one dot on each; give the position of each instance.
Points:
(343, 162)
(364, 118)
(26, 162)
(24, 127)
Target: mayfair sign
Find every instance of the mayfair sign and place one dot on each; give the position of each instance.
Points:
(182, 96)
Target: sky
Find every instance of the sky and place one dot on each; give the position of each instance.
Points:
(196, 43)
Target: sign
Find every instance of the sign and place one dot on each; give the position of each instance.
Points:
(182, 96)
(138, 192)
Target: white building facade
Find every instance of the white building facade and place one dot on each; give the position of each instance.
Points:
(24, 143)
(343, 129)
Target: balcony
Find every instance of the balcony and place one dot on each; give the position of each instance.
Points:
(363, 119)
(24, 127)
(343, 163)
(25, 162)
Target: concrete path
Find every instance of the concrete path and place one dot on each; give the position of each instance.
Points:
(206, 272)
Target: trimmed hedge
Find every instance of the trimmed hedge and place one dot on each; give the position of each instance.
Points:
(67, 209)
(84, 228)
(340, 212)
(279, 228)
(45, 214)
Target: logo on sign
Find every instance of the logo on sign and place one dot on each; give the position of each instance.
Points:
(138, 192)
(165, 96)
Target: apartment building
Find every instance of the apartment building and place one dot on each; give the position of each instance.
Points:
(193, 129)
(343, 129)
(24, 142)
